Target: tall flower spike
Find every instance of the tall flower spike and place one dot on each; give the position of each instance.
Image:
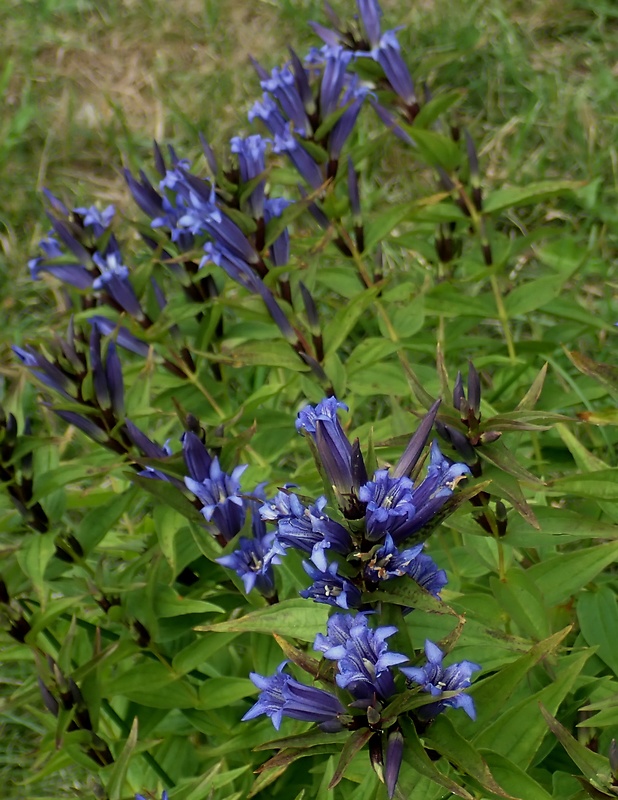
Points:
(436, 679)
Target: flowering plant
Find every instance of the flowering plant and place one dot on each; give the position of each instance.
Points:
(405, 589)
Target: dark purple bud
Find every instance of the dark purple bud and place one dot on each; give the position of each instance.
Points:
(209, 154)
(84, 424)
(310, 308)
(49, 701)
(487, 437)
(143, 443)
(343, 128)
(122, 336)
(158, 159)
(261, 72)
(316, 212)
(63, 232)
(359, 471)
(146, 197)
(302, 83)
(459, 396)
(353, 192)
(331, 38)
(460, 442)
(333, 78)
(474, 390)
(412, 453)
(197, 458)
(392, 765)
(58, 206)
(44, 370)
(98, 374)
(113, 376)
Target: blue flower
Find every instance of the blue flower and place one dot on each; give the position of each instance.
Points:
(335, 74)
(389, 504)
(388, 562)
(370, 13)
(220, 496)
(98, 221)
(306, 166)
(436, 679)
(282, 86)
(253, 562)
(114, 279)
(364, 660)
(342, 461)
(306, 529)
(164, 796)
(280, 249)
(397, 507)
(331, 588)
(282, 696)
(388, 55)
(250, 152)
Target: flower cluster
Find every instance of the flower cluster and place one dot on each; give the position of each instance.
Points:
(365, 674)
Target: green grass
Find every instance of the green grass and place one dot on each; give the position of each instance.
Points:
(87, 85)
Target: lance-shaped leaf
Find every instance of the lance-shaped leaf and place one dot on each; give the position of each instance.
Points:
(352, 746)
(593, 765)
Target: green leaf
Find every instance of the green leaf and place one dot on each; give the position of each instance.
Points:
(342, 323)
(295, 618)
(415, 756)
(33, 558)
(514, 779)
(444, 739)
(220, 692)
(557, 525)
(564, 575)
(200, 652)
(275, 353)
(597, 613)
(491, 694)
(115, 784)
(522, 599)
(532, 295)
(435, 148)
(527, 195)
(593, 765)
(430, 111)
(154, 685)
(519, 731)
(168, 603)
(354, 743)
(605, 374)
(99, 521)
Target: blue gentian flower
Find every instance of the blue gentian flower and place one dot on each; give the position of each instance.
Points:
(285, 142)
(307, 529)
(334, 76)
(122, 336)
(396, 506)
(389, 504)
(338, 628)
(98, 221)
(370, 13)
(436, 679)
(114, 279)
(280, 249)
(268, 111)
(220, 496)
(341, 460)
(282, 696)
(363, 657)
(331, 588)
(44, 370)
(345, 125)
(388, 55)
(282, 86)
(197, 458)
(253, 562)
(250, 152)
